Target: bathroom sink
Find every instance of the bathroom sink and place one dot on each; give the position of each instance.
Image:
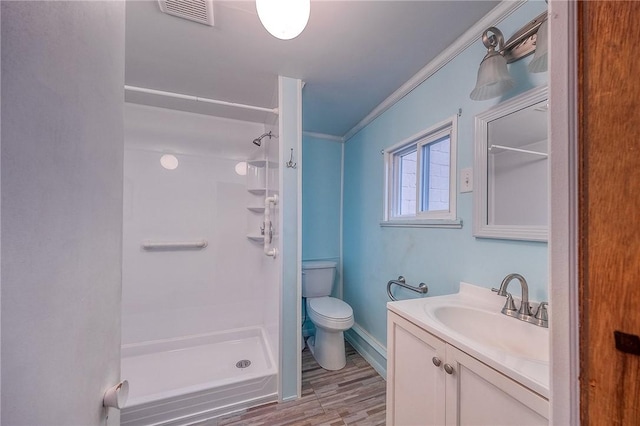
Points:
(496, 330)
(472, 321)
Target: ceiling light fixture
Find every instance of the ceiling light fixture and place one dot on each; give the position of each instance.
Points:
(284, 19)
(493, 76)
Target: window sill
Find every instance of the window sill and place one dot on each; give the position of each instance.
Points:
(423, 223)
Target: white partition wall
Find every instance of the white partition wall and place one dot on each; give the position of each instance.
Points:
(290, 101)
(62, 100)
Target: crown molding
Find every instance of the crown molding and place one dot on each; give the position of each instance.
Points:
(323, 136)
(496, 15)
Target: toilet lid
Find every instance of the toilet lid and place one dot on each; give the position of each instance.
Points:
(330, 307)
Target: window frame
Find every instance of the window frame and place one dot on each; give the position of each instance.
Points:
(397, 171)
(417, 142)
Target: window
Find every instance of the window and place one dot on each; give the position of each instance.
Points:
(421, 185)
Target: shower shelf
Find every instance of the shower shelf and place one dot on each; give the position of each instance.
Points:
(261, 191)
(262, 163)
(260, 174)
(259, 238)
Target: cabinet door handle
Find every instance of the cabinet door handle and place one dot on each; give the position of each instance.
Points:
(448, 369)
(436, 361)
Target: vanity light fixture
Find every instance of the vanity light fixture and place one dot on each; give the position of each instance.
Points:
(539, 61)
(493, 76)
(284, 19)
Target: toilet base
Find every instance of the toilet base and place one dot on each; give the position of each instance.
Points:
(327, 348)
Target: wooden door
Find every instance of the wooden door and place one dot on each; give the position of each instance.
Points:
(609, 205)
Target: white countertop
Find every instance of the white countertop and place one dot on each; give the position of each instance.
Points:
(532, 372)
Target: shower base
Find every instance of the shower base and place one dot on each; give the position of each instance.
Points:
(190, 379)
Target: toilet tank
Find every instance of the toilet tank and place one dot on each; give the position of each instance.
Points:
(317, 278)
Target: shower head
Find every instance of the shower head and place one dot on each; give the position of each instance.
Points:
(258, 141)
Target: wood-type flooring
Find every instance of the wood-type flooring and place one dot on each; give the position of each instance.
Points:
(354, 395)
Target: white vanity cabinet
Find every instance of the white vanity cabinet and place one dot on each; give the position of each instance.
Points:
(431, 382)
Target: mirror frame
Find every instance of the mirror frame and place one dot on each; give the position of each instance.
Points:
(481, 228)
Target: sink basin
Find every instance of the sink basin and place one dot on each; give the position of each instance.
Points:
(471, 321)
(493, 329)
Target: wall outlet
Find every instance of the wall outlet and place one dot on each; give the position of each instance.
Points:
(466, 180)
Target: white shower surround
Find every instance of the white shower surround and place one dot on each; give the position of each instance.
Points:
(175, 294)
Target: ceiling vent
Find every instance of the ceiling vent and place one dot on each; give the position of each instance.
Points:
(200, 11)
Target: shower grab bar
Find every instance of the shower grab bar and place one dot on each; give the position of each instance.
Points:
(422, 287)
(167, 245)
(267, 231)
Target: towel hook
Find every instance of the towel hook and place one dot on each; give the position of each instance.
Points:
(290, 164)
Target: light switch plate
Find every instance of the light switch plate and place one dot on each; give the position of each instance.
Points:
(466, 180)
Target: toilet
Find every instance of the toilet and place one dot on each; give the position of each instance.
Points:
(330, 316)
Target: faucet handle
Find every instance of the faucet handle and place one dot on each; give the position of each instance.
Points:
(509, 305)
(541, 318)
(541, 312)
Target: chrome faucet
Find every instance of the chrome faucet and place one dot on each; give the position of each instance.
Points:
(524, 313)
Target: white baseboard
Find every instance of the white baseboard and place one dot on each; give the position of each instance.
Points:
(371, 350)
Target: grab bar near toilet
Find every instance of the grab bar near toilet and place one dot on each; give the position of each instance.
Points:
(422, 287)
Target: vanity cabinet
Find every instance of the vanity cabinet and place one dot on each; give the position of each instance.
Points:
(430, 382)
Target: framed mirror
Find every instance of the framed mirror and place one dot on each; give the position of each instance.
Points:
(511, 199)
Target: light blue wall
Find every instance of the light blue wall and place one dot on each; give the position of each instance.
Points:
(321, 197)
(321, 206)
(442, 258)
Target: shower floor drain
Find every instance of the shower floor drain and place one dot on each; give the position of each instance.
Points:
(243, 363)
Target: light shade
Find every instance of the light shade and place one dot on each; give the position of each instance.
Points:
(284, 19)
(539, 61)
(493, 77)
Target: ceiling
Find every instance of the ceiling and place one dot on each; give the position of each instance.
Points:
(352, 55)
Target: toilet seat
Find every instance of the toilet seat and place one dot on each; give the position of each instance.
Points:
(330, 307)
(330, 312)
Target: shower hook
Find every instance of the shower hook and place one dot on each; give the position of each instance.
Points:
(290, 164)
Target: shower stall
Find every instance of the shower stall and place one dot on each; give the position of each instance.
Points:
(201, 301)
